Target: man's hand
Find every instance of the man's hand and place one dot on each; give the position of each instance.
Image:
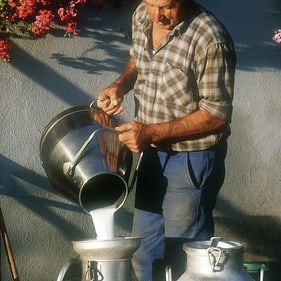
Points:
(109, 101)
(136, 136)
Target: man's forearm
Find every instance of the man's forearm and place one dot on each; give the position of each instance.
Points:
(127, 79)
(196, 125)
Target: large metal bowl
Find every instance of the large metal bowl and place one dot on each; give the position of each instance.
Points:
(106, 250)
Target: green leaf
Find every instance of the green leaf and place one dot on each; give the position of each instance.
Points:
(2, 3)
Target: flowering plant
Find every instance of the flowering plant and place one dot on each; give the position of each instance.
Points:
(277, 36)
(34, 18)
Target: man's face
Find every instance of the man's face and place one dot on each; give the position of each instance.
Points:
(165, 13)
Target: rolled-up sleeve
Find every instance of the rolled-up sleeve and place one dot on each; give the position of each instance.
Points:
(215, 71)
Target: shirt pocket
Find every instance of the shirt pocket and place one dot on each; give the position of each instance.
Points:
(174, 85)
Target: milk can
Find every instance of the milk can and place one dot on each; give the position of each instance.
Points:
(214, 260)
(84, 159)
(108, 260)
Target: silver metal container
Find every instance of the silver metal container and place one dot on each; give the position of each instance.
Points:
(108, 260)
(84, 159)
(214, 260)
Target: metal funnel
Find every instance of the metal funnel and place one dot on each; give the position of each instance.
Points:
(106, 250)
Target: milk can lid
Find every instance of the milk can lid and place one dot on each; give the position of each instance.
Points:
(225, 246)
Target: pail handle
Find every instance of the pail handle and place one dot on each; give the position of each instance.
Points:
(68, 167)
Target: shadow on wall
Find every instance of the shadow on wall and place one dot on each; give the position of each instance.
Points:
(251, 210)
(104, 35)
(103, 38)
(15, 177)
(14, 180)
(260, 233)
(251, 25)
(17, 181)
(65, 89)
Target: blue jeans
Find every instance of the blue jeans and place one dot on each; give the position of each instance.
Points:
(175, 197)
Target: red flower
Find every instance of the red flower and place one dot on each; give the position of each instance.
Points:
(5, 46)
(12, 3)
(26, 9)
(71, 27)
(41, 26)
(25, 17)
(44, 2)
(67, 14)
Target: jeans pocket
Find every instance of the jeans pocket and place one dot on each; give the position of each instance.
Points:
(199, 166)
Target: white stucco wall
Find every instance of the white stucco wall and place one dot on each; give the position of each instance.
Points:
(47, 76)
(248, 208)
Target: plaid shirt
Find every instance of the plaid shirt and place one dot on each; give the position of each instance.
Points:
(193, 69)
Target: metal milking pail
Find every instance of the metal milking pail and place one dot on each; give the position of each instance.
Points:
(84, 159)
(214, 260)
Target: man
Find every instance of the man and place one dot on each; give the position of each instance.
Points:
(181, 67)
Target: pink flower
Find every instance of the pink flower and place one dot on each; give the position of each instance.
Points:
(277, 36)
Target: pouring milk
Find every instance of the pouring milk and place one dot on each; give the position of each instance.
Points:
(103, 220)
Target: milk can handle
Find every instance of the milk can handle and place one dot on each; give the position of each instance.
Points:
(214, 259)
(168, 271)
(131, 185)
(262, 272)
(69, 166)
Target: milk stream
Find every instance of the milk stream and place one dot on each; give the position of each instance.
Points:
(103, 220)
